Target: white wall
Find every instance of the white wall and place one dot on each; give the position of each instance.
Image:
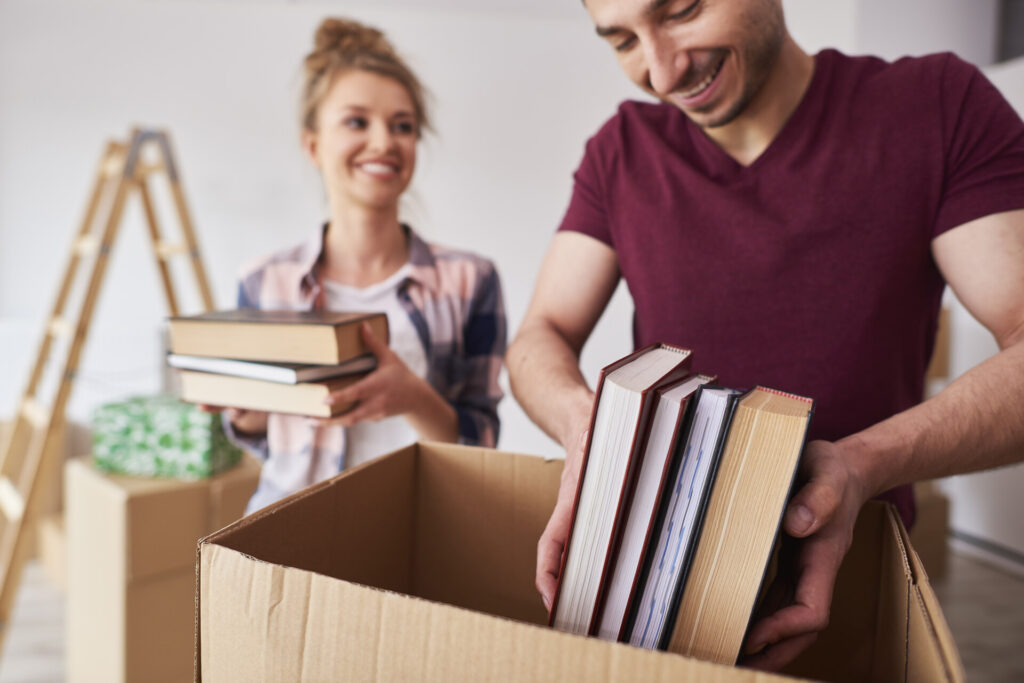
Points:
(519, 85)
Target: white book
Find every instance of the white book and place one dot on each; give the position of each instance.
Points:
(283, 373)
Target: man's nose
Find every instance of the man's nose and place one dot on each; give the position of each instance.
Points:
(666, 65)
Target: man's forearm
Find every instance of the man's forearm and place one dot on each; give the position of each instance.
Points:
(546, 380)
(975, 423)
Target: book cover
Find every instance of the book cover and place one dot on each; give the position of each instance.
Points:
(309, 337)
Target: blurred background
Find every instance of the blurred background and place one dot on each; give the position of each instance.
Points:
(518, 86)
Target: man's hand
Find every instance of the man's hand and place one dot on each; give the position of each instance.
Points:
(552, 541)
(823, 514)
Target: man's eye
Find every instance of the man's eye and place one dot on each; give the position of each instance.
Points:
(625, 44)
(355, 122)
(685, 12)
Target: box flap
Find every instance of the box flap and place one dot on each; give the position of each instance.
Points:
(886, 621)
(479, 515)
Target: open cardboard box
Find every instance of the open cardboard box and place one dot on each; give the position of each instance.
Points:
(419, 566)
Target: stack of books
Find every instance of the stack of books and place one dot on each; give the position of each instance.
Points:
(678, 508)
(277, 361)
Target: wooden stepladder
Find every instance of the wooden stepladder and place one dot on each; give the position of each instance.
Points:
(30, 453)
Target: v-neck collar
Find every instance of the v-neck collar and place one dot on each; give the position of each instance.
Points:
(721, 164)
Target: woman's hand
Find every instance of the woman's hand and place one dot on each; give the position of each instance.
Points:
(245, 422)
(393, 389)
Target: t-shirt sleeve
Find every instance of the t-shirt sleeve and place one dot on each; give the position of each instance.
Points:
(587, 212)
(984, 153)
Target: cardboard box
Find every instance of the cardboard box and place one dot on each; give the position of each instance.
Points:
(131, 567)
(930, 534)
(53, 549)
(419, 566)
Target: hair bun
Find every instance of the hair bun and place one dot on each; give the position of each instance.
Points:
(344, 36)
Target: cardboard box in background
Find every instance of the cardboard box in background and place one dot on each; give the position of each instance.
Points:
(53, 549)
(420, 565)
(131, 567)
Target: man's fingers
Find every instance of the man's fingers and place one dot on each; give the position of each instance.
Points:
(817, 566)
(776, 656)
(549, 557)
(816, 502)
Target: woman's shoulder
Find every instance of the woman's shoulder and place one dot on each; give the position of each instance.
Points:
(458, 271)
(286, 258)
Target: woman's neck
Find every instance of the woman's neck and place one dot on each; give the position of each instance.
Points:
(363, 246)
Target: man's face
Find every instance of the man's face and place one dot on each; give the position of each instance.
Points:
(707, 57)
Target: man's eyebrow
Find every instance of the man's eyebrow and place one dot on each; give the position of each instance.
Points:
(652, 8)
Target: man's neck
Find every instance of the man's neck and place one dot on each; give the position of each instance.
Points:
(750, 134)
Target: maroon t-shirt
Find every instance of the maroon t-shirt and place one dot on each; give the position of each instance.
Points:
(810, 270)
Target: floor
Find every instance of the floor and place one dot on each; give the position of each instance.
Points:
(984, 606)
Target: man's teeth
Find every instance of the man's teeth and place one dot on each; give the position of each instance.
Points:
(378, 168)
(702, 86)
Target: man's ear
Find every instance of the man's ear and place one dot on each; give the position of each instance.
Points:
(309, 145)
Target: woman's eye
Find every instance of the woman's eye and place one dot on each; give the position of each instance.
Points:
(355, 122)
(404, 127)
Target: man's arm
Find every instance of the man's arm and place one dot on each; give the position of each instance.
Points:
(974, 423)
(576, 280)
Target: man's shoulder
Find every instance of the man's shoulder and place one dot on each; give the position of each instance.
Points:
(635, 113)
(637, 124)
(914, 73)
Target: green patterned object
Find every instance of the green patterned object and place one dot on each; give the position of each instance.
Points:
(160, 436)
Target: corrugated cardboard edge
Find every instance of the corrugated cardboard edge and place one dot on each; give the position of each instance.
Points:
(923, 597)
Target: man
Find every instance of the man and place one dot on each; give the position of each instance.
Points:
(794, 220)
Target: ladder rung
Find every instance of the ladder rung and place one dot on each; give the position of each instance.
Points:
(113, 166)
(87, 244)
(11, 501)
(167, 249)
(148, 168)
(60, 327)
(35, 412)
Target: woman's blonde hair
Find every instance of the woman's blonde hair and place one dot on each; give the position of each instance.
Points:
(341, 45)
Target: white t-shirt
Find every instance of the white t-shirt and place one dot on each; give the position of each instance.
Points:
(367, 440)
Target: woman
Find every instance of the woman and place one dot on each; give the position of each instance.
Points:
(363, 112)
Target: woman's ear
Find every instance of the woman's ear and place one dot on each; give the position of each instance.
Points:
(309, 145)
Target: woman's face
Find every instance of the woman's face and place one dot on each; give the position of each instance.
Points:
(365, 142)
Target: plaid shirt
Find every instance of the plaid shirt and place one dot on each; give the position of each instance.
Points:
(454, 301)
